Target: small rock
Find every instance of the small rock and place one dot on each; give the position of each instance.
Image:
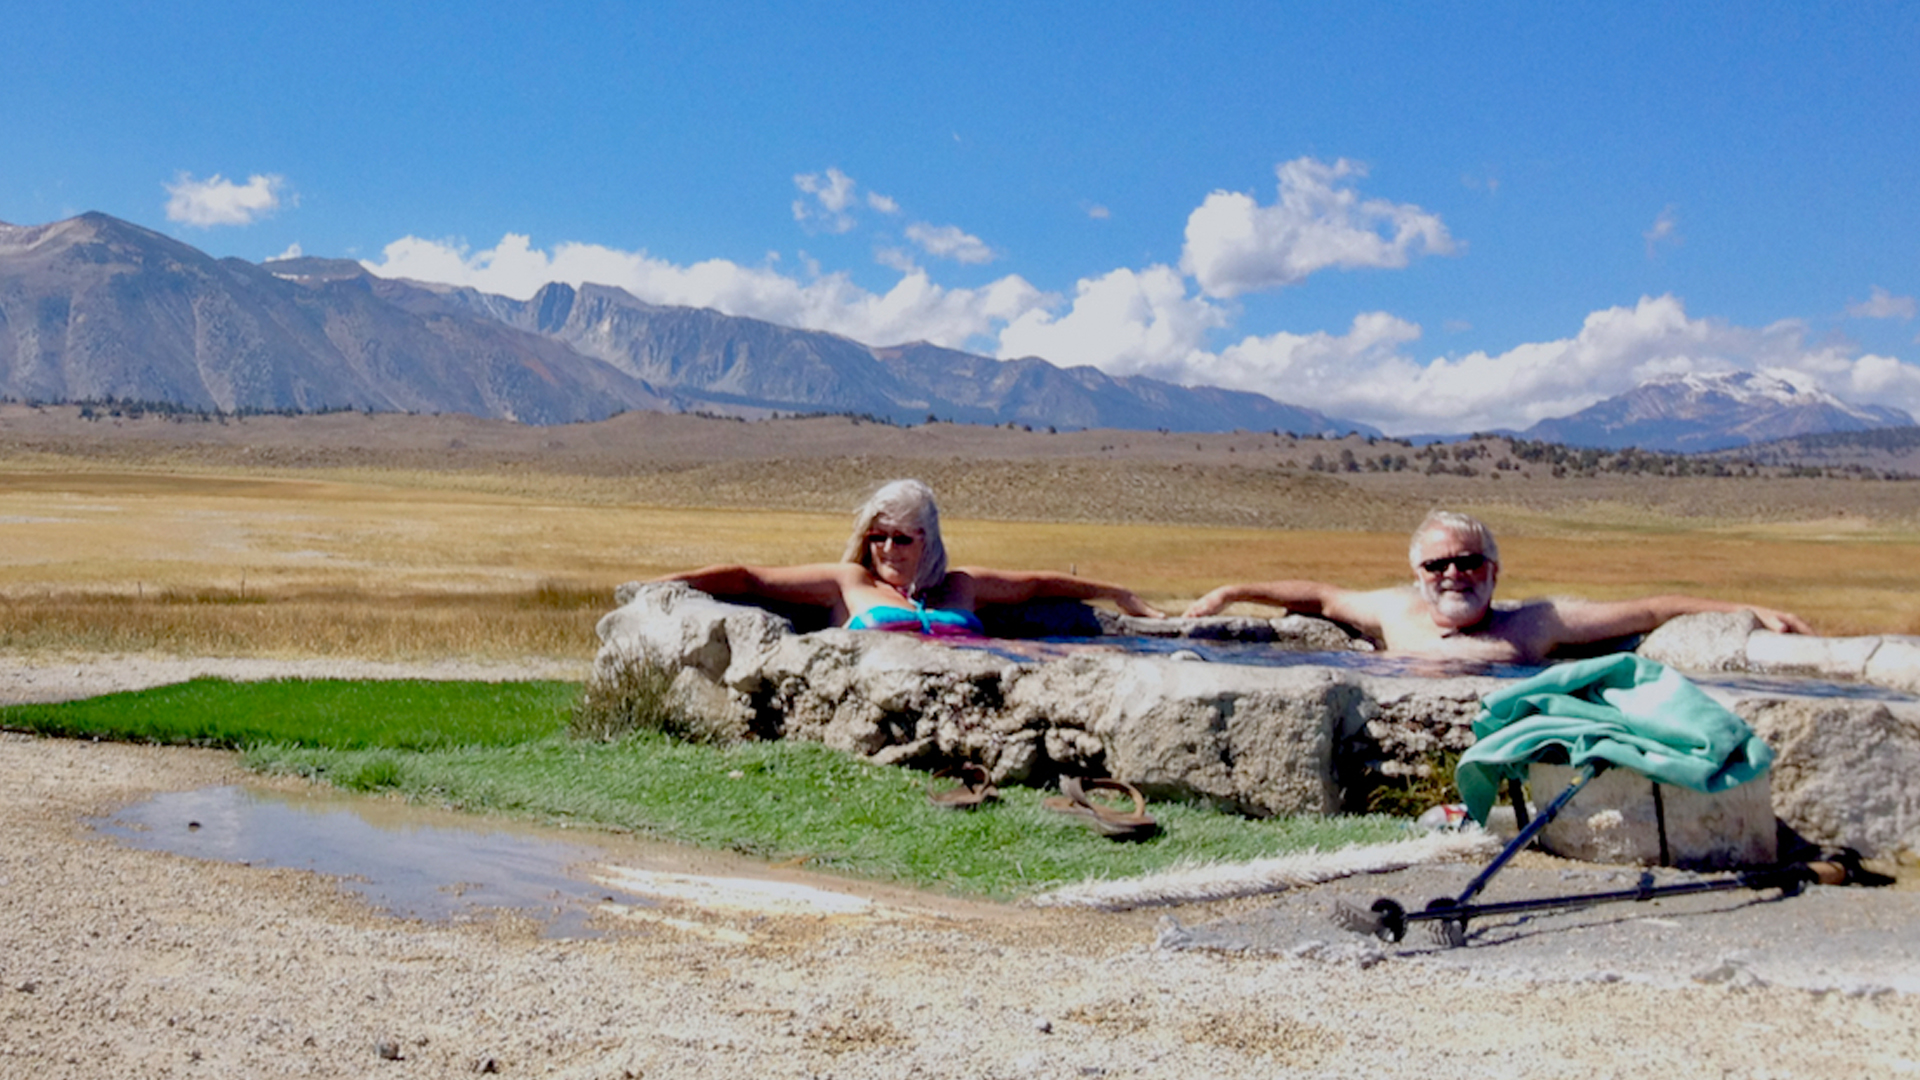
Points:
(1721, 972)
(387, 1049)
(1732, 974)
(1869, 990)
(487, 1064)
(1172, 935)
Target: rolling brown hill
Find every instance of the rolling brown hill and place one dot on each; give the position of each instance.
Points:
(831, 463)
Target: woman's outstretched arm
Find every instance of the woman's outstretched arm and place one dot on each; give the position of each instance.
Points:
(820, 584)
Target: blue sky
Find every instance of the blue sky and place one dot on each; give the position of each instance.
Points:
(1429, 217)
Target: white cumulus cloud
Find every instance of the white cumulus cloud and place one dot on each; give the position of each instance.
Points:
(1664, 230)
(913, 309)
(1372, 373)
(1126, 322)
(219, 201)
(949, 242)
(1236, 246)
(828, 199)
(1883, 305)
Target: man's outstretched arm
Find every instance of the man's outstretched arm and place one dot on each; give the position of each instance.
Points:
(1579, 622)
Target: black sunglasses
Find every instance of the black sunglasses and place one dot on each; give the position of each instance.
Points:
(1466, 564)
(898, 540)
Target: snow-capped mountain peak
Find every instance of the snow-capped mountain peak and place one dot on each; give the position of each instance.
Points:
(1712, 411)
(1749, 388)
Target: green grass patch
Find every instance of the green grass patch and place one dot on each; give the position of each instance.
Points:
(794, 801)
(336, 713)
(504, 748)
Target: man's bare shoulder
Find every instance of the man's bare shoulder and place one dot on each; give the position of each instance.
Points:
(1378, 608)
(1536, 627)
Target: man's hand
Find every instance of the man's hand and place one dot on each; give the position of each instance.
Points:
(1209, 604)
(1781, 622)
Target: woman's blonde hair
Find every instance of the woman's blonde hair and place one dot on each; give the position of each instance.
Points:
(908, 503)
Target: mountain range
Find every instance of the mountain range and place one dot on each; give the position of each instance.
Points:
(96, 309)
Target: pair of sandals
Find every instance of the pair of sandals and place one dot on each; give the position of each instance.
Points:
(974, 786)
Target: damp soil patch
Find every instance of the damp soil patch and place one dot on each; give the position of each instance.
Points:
(421, 863)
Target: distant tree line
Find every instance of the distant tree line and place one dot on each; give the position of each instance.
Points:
(117, 408)
(1480, 454)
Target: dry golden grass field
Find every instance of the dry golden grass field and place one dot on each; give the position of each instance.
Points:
(393, 537)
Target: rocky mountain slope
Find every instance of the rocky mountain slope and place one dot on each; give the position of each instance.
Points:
(94, 308)
(739, 366)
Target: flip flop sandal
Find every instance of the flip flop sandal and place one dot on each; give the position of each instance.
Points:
(974, 786)
(1117, 824)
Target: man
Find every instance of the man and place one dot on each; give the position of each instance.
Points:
(1449, 611)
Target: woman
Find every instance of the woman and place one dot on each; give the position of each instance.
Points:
(894, 575)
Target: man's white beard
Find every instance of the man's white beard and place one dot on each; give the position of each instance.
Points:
(1462, 608)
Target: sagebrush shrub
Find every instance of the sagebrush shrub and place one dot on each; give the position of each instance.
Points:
(634, 695)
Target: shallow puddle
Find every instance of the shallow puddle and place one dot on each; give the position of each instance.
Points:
(419, 863)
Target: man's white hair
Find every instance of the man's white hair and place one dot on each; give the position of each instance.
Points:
(1453, 524)
(907, 503)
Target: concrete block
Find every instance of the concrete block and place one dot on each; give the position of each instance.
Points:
(1623, 817)
(1803, 654)
(1896, 663)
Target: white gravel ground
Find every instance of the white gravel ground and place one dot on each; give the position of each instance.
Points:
(123, 962)
(57, 678)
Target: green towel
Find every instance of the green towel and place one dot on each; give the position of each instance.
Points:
(1622, 710)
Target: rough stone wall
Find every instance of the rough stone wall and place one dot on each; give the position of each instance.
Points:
(1257, 739)
(1845, 773)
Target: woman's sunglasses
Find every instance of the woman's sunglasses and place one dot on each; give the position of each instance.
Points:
(898, 540)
